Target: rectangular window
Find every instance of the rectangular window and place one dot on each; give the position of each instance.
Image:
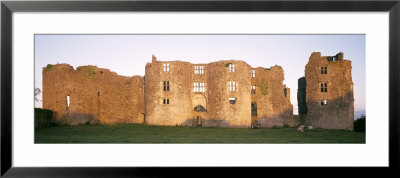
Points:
(253, 89)
(324, 70)
(198, 69)
(166, 67)
(231, 67)
(202, 87)
(166, 101)
(253, 73)
(232, 100)
(199, 87)
(195, 87)
(324, 87)
(166, 85)
(324, 102)
(232, 86)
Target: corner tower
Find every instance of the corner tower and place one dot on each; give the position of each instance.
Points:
(329, 92)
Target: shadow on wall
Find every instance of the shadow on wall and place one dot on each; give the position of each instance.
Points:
(75, 118)
(332, 114)
(206, 123)
(301, 96)
(285, 119)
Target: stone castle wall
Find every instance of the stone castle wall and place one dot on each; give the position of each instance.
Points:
(179, 108)
(338, 113)
(96, 95)
(221, 113)
(273, 109)
(273, 106)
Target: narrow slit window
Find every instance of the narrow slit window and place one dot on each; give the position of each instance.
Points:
(253, 73)
(166, 85)
(68, 101)
(324, 87)
(231, 67)
(166, 67)
(232, 86)
(253, 89)
(195, 87)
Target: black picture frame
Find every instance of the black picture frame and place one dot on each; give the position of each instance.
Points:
(8, 7)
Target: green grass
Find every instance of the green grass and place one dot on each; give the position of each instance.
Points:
(137, 133)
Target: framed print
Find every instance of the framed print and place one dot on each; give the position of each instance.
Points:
(121, 87)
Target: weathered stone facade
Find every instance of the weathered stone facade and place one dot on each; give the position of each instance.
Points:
(95, 95)
(218, 94)
(273, 104)
(222, 89)
(228, 93)
(328, 91)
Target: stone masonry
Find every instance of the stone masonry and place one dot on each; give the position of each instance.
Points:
(328, 92)
(95, 95)
(218, 94)
(226, 93)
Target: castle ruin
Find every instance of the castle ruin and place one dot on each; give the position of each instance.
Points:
(228, 93)
(325, 94)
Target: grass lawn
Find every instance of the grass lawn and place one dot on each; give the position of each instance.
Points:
(137, 133)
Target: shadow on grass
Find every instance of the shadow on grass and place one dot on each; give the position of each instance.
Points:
(137, 133)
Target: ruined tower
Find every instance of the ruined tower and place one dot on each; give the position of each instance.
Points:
(329, 100)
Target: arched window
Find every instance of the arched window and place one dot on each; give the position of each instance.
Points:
(200, 108)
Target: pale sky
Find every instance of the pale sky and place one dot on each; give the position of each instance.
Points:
(127, 55)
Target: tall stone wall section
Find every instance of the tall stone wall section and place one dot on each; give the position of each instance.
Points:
(273, 106)
(179, 108)
(96, 95)
(338, 113)
(221, 112)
